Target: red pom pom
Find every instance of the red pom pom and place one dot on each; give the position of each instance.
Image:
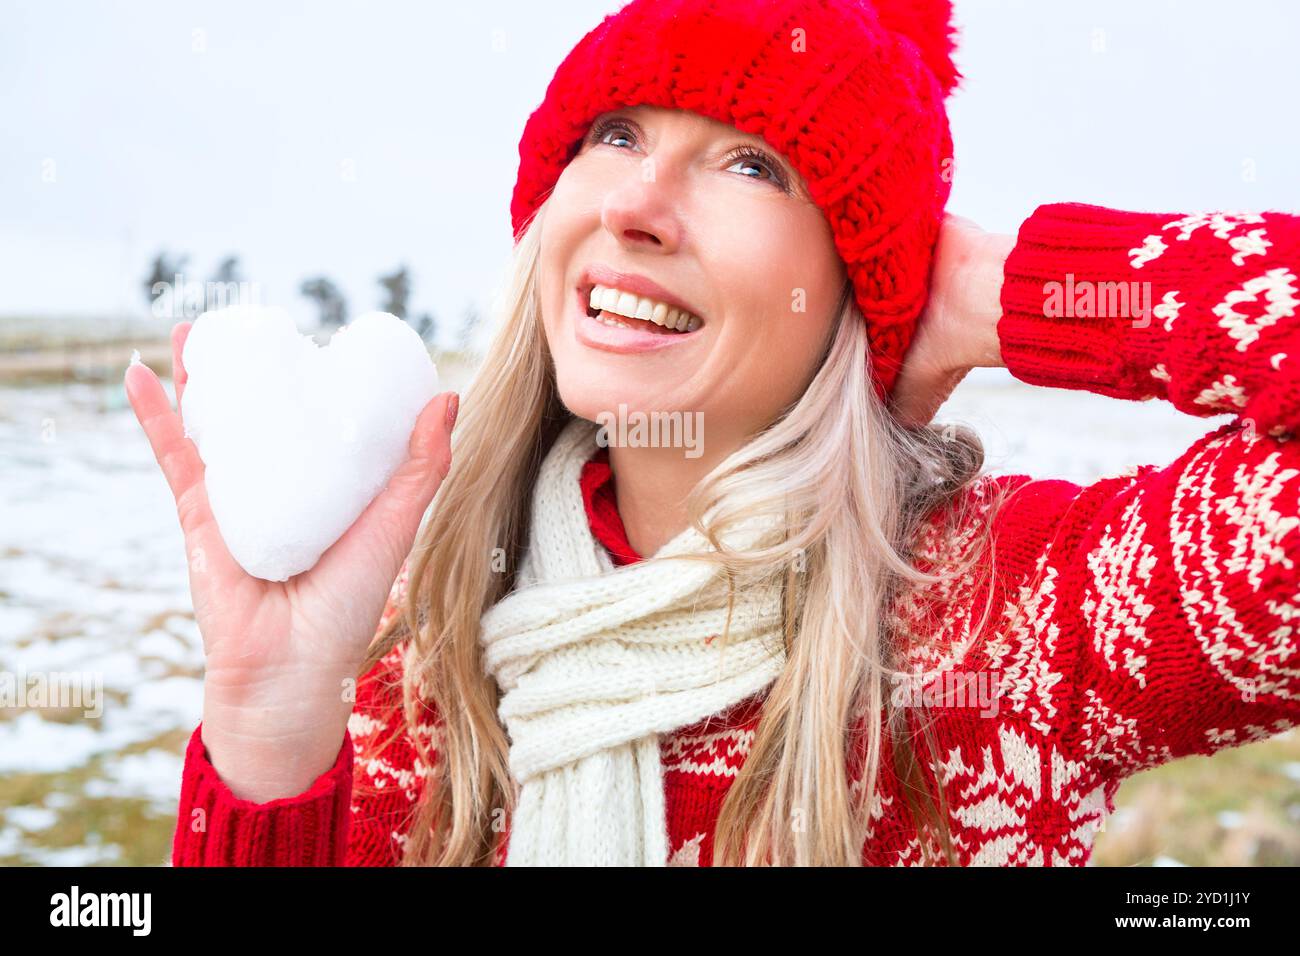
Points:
(928, 24)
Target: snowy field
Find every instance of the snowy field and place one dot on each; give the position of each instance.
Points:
(93, 582)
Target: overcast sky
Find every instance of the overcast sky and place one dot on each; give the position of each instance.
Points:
(347, 138)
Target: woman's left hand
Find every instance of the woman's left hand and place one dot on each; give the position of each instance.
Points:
(958, 330)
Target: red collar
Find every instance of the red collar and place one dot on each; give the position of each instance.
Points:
(602, 508)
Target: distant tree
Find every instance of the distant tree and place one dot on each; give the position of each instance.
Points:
(162, 273)
(398, 289)
(228, 270)
(427, 326)
(328, 298)
(224, 289)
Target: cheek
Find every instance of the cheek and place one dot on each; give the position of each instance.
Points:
(789, 346)
(572, 216)
(574, 203)
(784, 285)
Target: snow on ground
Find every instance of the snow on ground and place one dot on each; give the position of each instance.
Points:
(93, 586)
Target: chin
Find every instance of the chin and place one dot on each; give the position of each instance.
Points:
(588, 398)
(593, 400)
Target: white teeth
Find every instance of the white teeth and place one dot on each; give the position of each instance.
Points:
(641, 307)
(626, 305)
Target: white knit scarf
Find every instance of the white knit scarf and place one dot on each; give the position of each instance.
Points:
(595, 661)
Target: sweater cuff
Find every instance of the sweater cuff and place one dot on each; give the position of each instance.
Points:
(1075, 310)
(216, 828)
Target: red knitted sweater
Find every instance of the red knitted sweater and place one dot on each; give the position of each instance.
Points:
(1141, 618)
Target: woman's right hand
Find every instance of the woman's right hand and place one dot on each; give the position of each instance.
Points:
(282, 658)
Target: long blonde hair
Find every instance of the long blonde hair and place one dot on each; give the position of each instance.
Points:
(855, 488)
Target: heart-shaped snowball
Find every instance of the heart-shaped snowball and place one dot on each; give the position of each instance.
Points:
(298, 439)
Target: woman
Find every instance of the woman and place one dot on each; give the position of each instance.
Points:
(819, 635)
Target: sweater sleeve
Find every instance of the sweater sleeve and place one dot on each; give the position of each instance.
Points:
(354, 814)
(1158, 615)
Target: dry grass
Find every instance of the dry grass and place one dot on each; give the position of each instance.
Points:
(1239, 807)
(130, 831)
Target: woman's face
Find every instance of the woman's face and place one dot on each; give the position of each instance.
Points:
(678, 209)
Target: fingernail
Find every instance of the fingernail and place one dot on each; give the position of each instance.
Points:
(453, 407)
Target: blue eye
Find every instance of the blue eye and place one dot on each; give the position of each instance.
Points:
(746, 154)
(597, 134)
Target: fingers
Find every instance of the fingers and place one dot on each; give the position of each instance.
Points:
(431, 436)
(905, 408)
(917, 396)
(180, 332)
(428, 461)
(956, 220)
(184, 471)
(176, 454)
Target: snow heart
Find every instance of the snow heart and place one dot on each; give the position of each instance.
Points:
(298, 439)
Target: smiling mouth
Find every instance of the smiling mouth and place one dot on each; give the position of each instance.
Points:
(621, 309)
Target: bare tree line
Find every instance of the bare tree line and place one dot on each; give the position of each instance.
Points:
(331, 305)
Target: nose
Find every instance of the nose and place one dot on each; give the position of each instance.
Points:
(642, 214)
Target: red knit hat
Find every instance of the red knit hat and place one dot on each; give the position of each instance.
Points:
(851, 92)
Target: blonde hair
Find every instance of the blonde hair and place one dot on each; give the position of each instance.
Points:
(855, 487)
